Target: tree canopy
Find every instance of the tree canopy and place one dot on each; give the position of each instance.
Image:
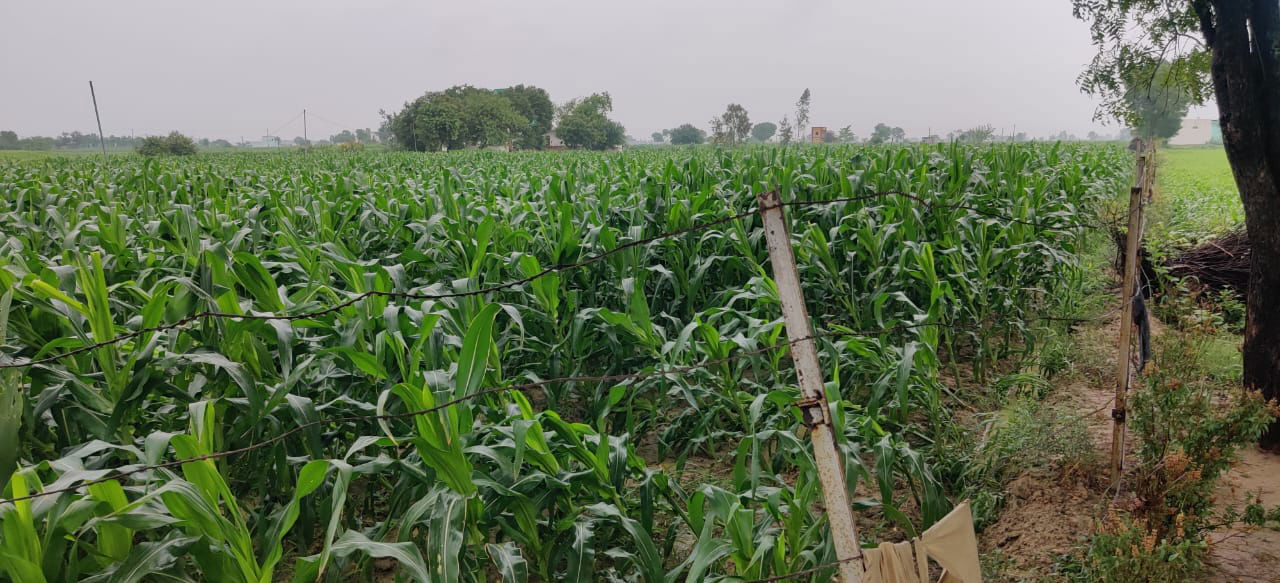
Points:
(686, 134)
(174, 144)
(464, 116)
(735, 124)
(883, 134)
(583, 123)
(1155, 101)
(763, 131)
(535, 105)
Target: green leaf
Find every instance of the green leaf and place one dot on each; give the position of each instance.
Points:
(406, 554)
(476, 346)
(257, 281)
(364, 361)
(582, 554)
(146, 559)
(509, 562)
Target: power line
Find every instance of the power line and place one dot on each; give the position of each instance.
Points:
(286, 124)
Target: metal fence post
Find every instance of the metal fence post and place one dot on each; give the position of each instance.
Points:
(814, 406)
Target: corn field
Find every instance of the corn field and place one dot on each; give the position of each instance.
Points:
(642, 475)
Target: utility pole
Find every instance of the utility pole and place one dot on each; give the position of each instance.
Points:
(96, 115)
(814, 408)
(305, 142)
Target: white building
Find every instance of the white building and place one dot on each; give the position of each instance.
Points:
(1197, 132)
(265, 142)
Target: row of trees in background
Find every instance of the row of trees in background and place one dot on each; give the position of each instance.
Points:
(522, 116)
(9, 140)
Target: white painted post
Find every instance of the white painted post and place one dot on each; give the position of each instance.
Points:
(813, 405)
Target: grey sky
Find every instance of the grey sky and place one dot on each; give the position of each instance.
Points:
(232, 68)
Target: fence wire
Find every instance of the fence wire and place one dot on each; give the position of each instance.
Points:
(126, 471)
(199, 316)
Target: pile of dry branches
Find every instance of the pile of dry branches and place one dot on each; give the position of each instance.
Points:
(1222, 263)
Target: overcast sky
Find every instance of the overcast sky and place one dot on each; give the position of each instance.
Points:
(233, 68)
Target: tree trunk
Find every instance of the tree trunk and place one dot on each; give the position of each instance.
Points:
(1242, 35)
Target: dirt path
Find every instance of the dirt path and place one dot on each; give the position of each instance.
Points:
(1047, 515)
(1247, 554)
(1238, 555)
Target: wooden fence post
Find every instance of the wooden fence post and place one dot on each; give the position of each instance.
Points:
(1137, 198)
(813, 405)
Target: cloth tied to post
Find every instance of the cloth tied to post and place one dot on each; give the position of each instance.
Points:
(950, 542)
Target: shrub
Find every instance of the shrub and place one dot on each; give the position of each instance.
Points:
(1188, 431)
(174, 144)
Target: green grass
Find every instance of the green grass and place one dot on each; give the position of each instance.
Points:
(1196, 198)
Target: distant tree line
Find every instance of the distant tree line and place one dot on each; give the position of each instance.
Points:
(9, 140)
(522, 116)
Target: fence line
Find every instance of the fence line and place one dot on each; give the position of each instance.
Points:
(188, 320)
(929, 205)
(636, 376)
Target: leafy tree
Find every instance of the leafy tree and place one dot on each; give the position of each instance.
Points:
(658, 137)
(364, 135)
(802, 113)
(718, 133)
(763, 131)
(487, 118)
(785, 132)
(829, 137)
(736, 124)
(976, 135)
(846, 135)
(686, 134)
(583, 123)
(174, 144)
(1156, 101)
(8, 140)
(534, 104)
(36, 143)
(1228, 47)
(455, 118)
(343, 138)
(885, 134)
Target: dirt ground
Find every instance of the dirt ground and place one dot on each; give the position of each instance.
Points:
(1050, 515)
(1251, 554)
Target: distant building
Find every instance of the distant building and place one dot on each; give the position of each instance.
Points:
(554, 142)
(817, 134)
(931, 139)
(265, 142)
(1197, 132)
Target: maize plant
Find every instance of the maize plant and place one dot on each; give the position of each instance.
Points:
(654, 477)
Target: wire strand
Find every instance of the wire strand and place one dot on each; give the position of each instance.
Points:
(482, 291)
(122, 472)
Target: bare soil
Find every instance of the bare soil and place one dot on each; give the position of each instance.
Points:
(1247, 554)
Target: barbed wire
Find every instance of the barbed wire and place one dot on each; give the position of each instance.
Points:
(375, 293)
(122, 472)
(929, 205)
(188, 320)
